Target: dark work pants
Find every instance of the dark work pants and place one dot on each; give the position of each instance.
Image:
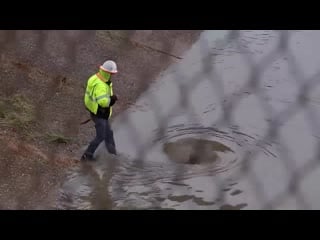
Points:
(103, 132)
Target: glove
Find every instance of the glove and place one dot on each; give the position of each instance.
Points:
(113, 100)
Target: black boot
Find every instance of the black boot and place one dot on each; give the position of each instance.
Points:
(87, 157)
(111, 149)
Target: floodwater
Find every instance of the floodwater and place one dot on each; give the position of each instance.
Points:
(220, 129)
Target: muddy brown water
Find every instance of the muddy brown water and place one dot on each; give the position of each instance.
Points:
(179, 150)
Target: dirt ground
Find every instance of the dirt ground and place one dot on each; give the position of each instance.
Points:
(41, 102)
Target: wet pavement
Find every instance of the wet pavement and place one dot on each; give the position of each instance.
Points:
(212, 108)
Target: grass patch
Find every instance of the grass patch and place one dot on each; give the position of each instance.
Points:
(17, 111)
(57, 138)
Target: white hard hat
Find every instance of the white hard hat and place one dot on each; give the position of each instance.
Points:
(109, 66)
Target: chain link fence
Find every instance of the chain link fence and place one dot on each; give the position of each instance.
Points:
(251, 94)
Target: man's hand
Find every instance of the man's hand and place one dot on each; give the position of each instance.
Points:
(113, 100)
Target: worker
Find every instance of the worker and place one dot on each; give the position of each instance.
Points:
(99, 99)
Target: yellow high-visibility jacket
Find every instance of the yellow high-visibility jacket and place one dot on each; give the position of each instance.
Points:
(97, 94)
